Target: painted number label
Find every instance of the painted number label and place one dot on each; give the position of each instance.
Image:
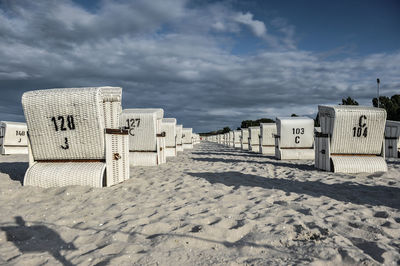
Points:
(63, 123)
(132, 124)
(297, 131)
(362, 129)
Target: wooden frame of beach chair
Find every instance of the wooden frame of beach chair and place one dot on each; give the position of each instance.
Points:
(295, 138)
(146, 138)
(267, 140)
(179, 146)
(254, 139)
(75, 138)
(244, 139)
(187, 138)
(13, 138)
(392, 134)
(169, 127)
(351, 139)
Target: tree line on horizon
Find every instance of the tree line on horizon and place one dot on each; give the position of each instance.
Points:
(390, 104)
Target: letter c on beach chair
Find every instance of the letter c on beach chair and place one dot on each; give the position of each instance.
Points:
(295, 138)
(75, 138)
(13, 138)
(392, 134)
(351, 139)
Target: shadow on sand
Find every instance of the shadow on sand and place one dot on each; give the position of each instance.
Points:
(16, 170)
(345, 192)
(37, 238)
(276, 163)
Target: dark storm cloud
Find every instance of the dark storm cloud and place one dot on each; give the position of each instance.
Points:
(165, 54)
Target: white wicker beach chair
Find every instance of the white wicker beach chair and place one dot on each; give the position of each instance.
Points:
(267, 140)
(230, 139)
(187, 138)
(146, 139)
(169, 127)
(254, 139)
(179, 140)
(244, 138)
(392, 134)
(295, 138)
(236, 139)
(351, 139)
(13, 138)
(226, 139)
(75, 138)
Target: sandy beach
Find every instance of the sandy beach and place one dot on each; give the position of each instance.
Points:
(209, 205)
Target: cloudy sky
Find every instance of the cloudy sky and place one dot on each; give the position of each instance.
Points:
(208, 63)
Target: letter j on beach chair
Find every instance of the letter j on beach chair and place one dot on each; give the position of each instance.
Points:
(351, 139)
(74, 137)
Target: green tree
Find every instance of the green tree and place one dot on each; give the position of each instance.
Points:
(349, 101)
(391, 105)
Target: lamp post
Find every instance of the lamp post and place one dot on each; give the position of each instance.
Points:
(378, 81)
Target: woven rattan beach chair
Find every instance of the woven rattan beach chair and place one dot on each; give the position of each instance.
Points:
(236, 139)
(254, 139)
(267, 140)
(146, 139)
(187, 138)
(75, 138)
(179, 146)
(13, 138)
(244, 138)
(169, 127)
(392, 134)
(230, 139)
(351, 139)
(295, 138)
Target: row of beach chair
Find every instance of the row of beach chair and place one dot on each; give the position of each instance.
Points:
(350, 139)
(81, 136)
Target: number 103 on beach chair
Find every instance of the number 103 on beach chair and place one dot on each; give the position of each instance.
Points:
(75, 138)
(351, 139)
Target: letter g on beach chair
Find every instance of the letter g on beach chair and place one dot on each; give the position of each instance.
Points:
(75, 138)
(351, 139)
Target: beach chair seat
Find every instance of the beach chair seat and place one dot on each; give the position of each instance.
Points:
(351, 139)
(267, 140)
(392, 134)
(244, 139)
(74, 137)
(187, 138)
(13, 138)
(294, 139)
(146, 138)
(169, 127)
(254, 139)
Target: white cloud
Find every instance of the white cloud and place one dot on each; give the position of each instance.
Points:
(175, 58)
(256, 26)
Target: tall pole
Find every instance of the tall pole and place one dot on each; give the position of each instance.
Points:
(378, 81)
